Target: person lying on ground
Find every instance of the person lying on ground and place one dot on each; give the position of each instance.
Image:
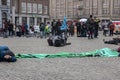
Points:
(114, 41)
(7, 56)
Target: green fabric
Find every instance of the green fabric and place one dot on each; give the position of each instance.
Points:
(105, 52)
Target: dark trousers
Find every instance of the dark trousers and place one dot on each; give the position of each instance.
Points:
(90, 34)
(95, 33)
(111, 32)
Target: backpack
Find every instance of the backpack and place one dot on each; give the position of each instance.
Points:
(57, 42)
(50, 41)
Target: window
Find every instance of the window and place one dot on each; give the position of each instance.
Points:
(4, 15)
(45, 10)
(116, 11)
(24, 20)
(34, 8)
(29, 8)
(23, 7)
(39, 8)
(95, 11)
(105, 11)
(116, 8)
(4, 2)
(87, 11)
(31, 20)
(39, 20)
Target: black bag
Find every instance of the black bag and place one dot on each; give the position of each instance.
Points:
(50, 42)
(57, 42)
(18, 34)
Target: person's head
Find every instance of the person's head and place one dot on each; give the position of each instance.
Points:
(8, 56)
(91, 16)
(48, 22)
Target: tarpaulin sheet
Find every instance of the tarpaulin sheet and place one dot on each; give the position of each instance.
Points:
(105, 52)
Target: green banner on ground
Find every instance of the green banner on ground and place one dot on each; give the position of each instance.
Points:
(105, 52)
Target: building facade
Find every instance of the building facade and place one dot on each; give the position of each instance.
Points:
(4, 11)
(104, 9)
(31, 12)
(59, 9)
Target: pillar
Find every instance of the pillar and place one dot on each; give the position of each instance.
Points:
(35, 21)
(13, 14)
(100, 4)
(20, 20)
(42, 19)
(28, 21)
(111, 9)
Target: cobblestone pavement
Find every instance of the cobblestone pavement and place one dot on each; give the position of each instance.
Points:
(59, 68)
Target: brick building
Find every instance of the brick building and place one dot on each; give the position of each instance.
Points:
(31, 12)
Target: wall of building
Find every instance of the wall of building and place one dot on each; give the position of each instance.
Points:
(4, 11)
(59, 9)
(31, 12)
(104, 9)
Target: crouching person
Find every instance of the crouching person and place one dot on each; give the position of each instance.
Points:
(6, 55)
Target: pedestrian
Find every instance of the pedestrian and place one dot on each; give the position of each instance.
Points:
(78, 25)
(5, 28)
(96, 27)
(42, 27)
(111, 27)
(83, 30)
(57, 27)
(105, 28)
(90, 27)
(71, 29)
(53, 24)
(10, 28)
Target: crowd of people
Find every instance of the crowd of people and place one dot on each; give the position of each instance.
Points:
(87, 28)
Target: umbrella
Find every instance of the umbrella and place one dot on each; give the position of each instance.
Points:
(83, 20)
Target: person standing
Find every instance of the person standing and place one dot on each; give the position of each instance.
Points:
(53, 24)
(105, 28)
(96, 27)
(90, 26)
(78, 25)
(10, 28)
(26, 28)
(71, 29)
(47, 29)
(57, 27)
(111, 27)
(42, 27)
(5, 28)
